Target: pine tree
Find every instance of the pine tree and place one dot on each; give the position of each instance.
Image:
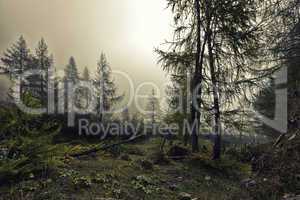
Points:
(86, 74)
(84, 95)
(43, 61)
(17, 60)
(71, 77)
(153, 109)
(71, 71)
(106, 88)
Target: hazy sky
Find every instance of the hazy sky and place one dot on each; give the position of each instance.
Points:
(126, 30)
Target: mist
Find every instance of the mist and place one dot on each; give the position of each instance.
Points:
(127, 31)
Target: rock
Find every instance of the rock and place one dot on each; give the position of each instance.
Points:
(185, 196)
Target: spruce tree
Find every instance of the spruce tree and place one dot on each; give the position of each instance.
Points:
(106, 88)
(153, 109)
(86, 74)
(71, 71)
(43, 61)
(17, 60)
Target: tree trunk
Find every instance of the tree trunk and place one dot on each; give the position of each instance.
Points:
(197, 79)
(216, 108)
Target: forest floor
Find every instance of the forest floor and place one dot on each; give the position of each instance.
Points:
(132, 175)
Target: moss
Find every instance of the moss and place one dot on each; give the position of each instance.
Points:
(107, 177)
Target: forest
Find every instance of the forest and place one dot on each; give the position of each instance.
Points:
(226, 126)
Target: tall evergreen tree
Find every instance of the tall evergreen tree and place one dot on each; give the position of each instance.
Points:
(86, 74)
(71, 71)
(106, 88)
(153, 108)
(43, 61)
(71, 77)
(84, 93)
(16, 60)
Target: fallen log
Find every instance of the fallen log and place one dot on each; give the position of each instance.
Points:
(102, 148)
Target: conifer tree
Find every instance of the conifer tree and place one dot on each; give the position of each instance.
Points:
(71, 71)
(17, 60)
(43, 61)
(106, 88)
(86, 74)
(153, 108)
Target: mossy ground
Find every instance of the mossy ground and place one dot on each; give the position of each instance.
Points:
(107, 175)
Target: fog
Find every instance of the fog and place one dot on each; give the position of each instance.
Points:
(126, 30)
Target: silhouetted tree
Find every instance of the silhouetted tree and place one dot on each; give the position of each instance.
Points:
(86, 74)
(153, 109)
(71, 71)
(106, 88)
(43, 61)
(16, 60)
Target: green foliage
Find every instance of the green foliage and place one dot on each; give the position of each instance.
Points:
(145, 184)
(76, 179)
(17, 58)
(26, 148)
(243, 154)
(224, 166)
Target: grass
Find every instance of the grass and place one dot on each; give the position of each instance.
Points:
(105, 176)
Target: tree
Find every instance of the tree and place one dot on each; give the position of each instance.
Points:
(84, 95)
(153, 109)
(287, 51)
(86, 74)
(229, 30)
(187, 54)
(178, 103)
(106, 88)
(71, 77)
(16, 60)
(43, 62)
(71, 71)
(222, 40)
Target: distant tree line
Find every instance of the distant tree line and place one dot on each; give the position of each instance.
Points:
(18, 59)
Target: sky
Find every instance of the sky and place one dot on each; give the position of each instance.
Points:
(127, 31)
